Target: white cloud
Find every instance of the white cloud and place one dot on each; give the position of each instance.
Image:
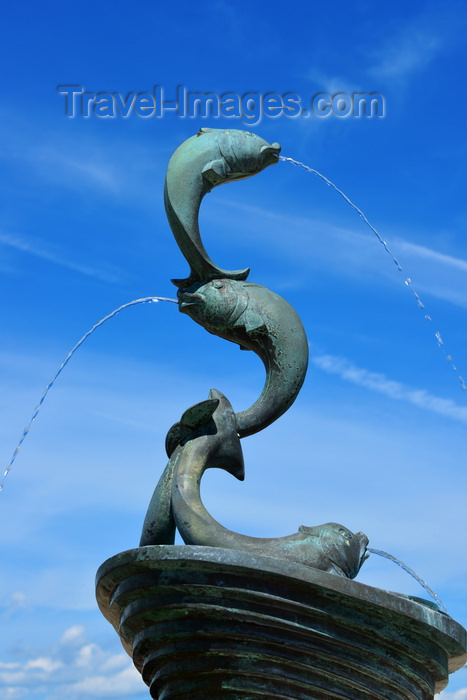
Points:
(73, 635)
(433, 255)
(121, 685)
(405, 53)
(352, 251)
(43, 664)
(410, 52)
(90, 672)
(438, 274)
(124, 170)
(40, 250)
(17, 601)
(331, 84)
(83, 167)
(389, 387)
(16, 693)
(457, 695)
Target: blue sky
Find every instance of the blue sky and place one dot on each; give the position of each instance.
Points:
(377, 438)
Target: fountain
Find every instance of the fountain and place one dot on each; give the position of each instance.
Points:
(227, 615)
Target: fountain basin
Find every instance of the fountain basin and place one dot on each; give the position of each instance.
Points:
(206, 622)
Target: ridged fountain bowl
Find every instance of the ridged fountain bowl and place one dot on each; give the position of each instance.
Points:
(205, 622)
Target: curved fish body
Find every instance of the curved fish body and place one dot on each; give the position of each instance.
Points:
(260, 320)
(330, 547)
(159, 523)
(204, 161)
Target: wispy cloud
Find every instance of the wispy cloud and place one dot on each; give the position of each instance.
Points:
(74, 669)
(331, 84)
(374, 381)
(437, 274)
(456, 695)
(408, 53)
(80, 167)
(40, 250)
(403, 54)
(16, 601)
(84, 162)
(412, 48)
(351, 251)
(433, 255)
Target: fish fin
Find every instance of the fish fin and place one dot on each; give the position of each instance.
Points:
(186, 282)
(159, 523)
(214, 171)
(229, 455)
(193, 418)
(197, 415)
(252, 322)
(211, 272)
(257, 330)
(308, 530)
(172, 439)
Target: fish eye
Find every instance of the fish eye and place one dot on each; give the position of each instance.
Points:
(217, 285)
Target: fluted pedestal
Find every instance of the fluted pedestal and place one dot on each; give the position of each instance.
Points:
(202, 622)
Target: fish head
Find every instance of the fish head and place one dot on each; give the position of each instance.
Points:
(345, 550)
(241, 155)
(215, 305)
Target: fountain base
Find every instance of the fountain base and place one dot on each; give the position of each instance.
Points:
(205, 622)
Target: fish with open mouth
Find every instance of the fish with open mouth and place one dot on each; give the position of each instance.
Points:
(262, 321)
(206, 160)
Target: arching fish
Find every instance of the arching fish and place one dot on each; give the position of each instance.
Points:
(330, 547)
(260, 320)
(204, 161)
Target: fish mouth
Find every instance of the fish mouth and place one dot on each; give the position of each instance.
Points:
(188, 304)
(363, 539)
(270, 154)
(364, 542)
(187, 300)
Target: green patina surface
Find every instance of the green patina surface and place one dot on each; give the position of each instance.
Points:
(232, 616)
(257, 319)
(206, 160)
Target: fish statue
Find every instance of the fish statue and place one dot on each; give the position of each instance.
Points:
(262, 321)
(213, 442)
(202, 162)
(225, 304)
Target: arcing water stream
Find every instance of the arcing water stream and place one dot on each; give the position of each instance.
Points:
(407, 281)
(145, 300)
(437, 334)
(410, 571)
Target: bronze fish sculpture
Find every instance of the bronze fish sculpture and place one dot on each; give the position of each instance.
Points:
(206, 160)
(260, 320)
(214, 442)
